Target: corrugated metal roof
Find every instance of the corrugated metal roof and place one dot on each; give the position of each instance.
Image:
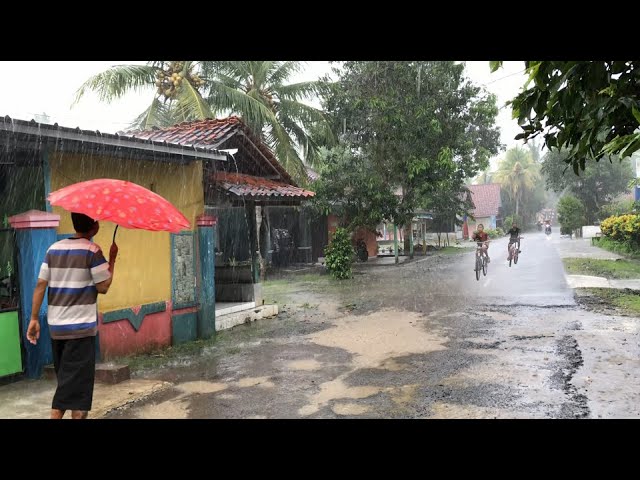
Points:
(14, 132)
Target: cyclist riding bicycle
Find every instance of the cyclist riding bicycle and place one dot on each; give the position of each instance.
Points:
(514, 237)
(482, 238)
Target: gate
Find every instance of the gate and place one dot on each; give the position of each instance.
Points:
(11, 351)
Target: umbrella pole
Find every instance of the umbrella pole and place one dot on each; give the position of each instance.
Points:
(114, 234)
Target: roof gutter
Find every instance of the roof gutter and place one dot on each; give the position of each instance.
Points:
(110, 140)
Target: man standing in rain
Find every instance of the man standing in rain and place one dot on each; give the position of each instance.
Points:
(75, 271)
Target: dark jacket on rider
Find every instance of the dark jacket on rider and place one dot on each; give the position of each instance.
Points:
(514, 233)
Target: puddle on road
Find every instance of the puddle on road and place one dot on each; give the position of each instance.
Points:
(451, 410)
(350, 409)
(392, 365)
(374, 340)
(404, 395)
(173, 409)
(200, 387)
(336, 389)
(263, 382)
(178, 407)
(308, 365)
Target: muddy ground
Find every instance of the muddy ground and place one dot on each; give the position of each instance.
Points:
(421, 340)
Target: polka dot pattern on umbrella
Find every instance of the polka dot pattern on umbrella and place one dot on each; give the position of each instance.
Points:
(121, 202)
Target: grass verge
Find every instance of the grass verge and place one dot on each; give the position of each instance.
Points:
(617, 247)
(611, 269)
(626, 301)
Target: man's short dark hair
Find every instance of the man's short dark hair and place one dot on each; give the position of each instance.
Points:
(81, 222)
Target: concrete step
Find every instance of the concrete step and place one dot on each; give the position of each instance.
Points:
(105, 373)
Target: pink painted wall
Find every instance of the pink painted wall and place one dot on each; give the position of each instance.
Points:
(120, 338)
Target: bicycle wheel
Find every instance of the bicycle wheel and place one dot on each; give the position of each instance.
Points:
(478, 267)
(515, 257)
(484, 266)
(510, 260)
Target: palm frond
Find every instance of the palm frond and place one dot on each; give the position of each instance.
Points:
(309, 117)
(261, 71)
(252, 110)
(157, 115)
(301, 90)
(117, 81)
(288, 157)
(283, 71)
(306, 143)
(301, 112)
(190, 105)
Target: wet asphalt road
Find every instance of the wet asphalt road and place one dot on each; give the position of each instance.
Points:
(421, 340)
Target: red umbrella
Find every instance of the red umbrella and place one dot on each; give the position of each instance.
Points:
(121, 202)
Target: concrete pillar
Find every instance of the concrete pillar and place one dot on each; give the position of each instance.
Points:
(253, 240)
(395, 241)
(206, 276)
(35, 233)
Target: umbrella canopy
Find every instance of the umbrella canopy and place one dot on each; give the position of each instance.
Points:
(121, 202)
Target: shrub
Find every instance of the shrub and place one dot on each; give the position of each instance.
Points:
(494, 233)
(339, 254)
(622, 228)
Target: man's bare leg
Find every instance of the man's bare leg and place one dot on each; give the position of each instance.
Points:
(79, 414)
(57, 414)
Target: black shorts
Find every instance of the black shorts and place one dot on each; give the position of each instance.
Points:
(74, 361)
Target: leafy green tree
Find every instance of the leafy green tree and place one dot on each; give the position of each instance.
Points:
(599, 184)
(258, 92)
(350, 189)
(591, 109)
(571, 214)
(416, 124)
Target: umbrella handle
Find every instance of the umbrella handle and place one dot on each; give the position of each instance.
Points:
(114, 234)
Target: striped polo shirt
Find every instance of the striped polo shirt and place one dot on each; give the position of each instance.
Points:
(72, 267)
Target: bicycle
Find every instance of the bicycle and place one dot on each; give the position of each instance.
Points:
(514, 250)
(481, 260)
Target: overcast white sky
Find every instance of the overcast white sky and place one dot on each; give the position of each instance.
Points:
(29, 88)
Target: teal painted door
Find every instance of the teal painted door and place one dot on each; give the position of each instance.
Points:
(10, 355)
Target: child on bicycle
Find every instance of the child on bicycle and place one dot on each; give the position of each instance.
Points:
(514, 237)
(482, 238)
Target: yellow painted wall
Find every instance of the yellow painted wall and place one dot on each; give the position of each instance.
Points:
(143, 268)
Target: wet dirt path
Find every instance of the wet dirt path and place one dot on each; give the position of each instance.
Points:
(423, 340)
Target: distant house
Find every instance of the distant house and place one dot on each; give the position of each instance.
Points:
(488, 205)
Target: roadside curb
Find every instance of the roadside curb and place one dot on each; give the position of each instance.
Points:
(586, 281)
(137, 397)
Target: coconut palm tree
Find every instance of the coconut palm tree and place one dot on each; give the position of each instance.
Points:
(518, 174)
(257, 92)
(486, 176)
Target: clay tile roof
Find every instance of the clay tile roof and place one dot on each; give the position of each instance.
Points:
(209, 132)
(247, 185)
(486, 199)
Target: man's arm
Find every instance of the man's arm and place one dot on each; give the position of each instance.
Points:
(103, 287)
(33, 330)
